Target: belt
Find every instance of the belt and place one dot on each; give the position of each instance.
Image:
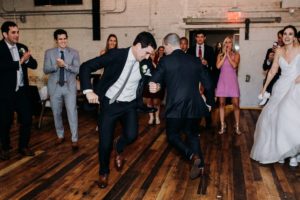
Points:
(64, 82)
(117, 101)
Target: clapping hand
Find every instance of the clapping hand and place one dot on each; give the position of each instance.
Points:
(60, 62)
(204, 62)
(25, 57)
(227, 52)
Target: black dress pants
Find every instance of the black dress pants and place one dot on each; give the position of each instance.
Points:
(174, 127)
(21, 103)
(109, 115)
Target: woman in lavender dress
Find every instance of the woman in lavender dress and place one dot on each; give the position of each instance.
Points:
(228, 85)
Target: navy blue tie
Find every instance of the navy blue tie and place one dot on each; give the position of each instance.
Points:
(61, 81)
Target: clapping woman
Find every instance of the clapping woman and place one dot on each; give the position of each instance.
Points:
(228, 61)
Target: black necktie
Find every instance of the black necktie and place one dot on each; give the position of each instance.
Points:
(61, 81)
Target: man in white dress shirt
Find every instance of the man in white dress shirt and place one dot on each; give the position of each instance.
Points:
(120, 93)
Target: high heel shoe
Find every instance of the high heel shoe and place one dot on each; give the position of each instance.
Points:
(293, 162)
(237, 129)
(157, 121)
(151, 120)
(222, 129)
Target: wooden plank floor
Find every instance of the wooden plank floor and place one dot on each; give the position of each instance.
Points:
(153, 169)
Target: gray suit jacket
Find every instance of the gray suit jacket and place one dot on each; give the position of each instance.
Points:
(71, 69)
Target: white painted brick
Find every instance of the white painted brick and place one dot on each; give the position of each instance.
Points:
(126, 18)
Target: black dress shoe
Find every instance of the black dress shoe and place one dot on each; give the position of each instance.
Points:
(4, 155)
(103, 181)
(26, 152)
(145, 109)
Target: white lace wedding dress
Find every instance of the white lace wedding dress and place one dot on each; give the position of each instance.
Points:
(277, 133)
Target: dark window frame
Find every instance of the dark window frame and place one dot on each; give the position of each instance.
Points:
(57, 2)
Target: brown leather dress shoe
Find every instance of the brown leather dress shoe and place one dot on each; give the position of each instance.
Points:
(59, 141)
(103, 181)
(26, 152)
(196, 170)
(4, 155)
(75, 146)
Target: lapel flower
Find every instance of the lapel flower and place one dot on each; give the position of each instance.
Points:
(22, 51)
(144, 69)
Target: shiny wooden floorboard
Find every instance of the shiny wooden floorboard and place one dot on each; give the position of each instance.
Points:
(153, 169)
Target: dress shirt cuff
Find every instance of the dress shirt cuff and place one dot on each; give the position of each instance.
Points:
(87, 91)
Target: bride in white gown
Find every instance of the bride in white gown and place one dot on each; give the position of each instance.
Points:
(277, 133)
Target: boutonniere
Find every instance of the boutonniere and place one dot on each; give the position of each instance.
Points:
(22, 51)
(146, 70)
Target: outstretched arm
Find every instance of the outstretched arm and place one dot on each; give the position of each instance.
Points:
(272, 72)
(157, 78)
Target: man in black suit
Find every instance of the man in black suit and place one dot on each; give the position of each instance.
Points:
(120, 92)
(206, 54)
(181, 74)
(15, 59)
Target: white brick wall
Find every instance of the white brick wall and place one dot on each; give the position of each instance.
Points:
(126, 18)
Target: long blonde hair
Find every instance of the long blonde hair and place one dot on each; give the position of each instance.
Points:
(224, 46)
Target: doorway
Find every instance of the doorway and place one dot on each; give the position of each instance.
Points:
(215, 36)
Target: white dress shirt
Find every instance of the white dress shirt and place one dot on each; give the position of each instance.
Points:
(15, 54)
(129, 92)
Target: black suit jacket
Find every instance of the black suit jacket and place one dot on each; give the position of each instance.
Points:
(209, 55)
(267, 67)
(113, 63)
(8, 70)
(181, 74)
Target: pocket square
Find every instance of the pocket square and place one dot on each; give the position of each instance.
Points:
(148, 73)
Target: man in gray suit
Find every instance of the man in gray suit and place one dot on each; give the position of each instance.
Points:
(62, 65)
